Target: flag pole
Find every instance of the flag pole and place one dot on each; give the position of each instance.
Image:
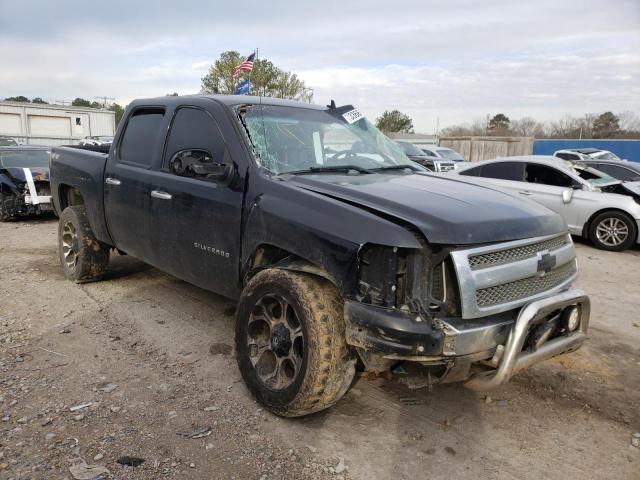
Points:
(255, 59)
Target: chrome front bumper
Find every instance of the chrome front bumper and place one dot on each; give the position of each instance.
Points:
(514, 359)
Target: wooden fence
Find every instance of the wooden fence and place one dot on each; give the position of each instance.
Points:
(475, 149)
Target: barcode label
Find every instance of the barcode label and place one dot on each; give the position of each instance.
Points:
(352, 116)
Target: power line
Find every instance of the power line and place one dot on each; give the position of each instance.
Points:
(104, 100)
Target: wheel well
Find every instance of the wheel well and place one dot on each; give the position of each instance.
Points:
(70, 196)
(267, 256)
(587, 225)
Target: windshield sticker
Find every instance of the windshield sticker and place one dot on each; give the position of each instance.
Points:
(352, 116)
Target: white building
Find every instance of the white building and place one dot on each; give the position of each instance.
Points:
(40, 124)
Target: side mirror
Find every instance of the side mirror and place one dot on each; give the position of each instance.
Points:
(199, 164)
(567, 195)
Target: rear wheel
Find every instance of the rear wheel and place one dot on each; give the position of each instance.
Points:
(83, 257)
(614, 231)
(290, 342)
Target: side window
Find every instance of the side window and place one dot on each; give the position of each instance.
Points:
(504, 171)
(568, 156)
(472, 172)
(141, 136)
(543, 174)
(195, 144)
(428, 152)
(615, 171)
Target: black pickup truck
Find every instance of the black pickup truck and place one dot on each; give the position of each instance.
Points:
(341, 252)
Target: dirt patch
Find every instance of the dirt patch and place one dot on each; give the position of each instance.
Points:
(143, 358)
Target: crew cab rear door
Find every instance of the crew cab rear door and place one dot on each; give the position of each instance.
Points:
(127, 190)
(196, 218)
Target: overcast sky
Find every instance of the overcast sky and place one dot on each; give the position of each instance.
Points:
(455, 61)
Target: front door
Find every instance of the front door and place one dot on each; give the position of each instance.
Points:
(197, 217)
(546, 184)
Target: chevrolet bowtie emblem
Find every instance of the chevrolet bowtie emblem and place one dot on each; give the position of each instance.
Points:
(546, 263)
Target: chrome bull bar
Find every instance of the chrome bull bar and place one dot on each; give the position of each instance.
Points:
(514, 359)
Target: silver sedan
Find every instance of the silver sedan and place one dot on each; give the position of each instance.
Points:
(593, 204)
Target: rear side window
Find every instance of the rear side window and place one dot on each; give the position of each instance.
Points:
(471, 172)
(428, 152)
(568, 156)
(140, 138)
(504, 171)
(545, 175)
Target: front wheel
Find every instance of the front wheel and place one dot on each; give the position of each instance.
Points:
(83, 257)
(7, 202)
(614, 231)
(290, 342)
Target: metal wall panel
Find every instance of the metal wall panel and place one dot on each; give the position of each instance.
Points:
(627, 149)
(10, 124)
(53, 124)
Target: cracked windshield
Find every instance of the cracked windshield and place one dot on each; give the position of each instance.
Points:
(301, 140)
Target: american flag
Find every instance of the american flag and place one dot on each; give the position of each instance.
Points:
(245, 66)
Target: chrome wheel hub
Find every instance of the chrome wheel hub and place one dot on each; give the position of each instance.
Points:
(70, 247)
(612, 232)
(275, 342)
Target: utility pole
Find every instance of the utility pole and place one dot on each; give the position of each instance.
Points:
(104, 100)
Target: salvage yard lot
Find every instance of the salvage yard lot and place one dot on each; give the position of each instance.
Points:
(153, 355)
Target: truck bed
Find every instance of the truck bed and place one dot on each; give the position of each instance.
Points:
(83, 170)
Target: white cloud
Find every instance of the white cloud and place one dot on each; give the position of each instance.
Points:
(454, 62)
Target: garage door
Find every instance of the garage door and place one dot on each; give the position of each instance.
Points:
(10, 124)
(54, 126)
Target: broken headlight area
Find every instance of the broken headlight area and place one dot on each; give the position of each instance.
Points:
(408, 280)
(20, 203)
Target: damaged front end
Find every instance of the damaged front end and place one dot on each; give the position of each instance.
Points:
(25, 191)
(448, 314)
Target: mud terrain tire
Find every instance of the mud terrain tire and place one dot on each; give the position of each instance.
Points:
(327, 366)
(83, 258)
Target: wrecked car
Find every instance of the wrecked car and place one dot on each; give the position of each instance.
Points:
(24, 181)
(341, 252)
(593, 204)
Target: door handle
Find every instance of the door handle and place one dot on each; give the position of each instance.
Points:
(112, 181)
(525, 192)
(161, 195)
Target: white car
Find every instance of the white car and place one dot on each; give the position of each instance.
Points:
(442, 152)
(96, 140)
(585, 154)
(594, 205)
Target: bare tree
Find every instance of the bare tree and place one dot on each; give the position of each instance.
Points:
(528, 127)
(476, 128)
(629, 121)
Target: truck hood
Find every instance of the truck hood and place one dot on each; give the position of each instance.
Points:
(17, 174)
(445, 210)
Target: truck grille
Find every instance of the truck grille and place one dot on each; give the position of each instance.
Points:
(500, 277)
(477, 262)
(526, 287)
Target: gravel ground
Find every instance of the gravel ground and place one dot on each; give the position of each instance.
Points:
(145, 362)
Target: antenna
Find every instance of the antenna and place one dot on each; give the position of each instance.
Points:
(104, 100)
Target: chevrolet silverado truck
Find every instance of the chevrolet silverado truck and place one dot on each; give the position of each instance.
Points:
(341, 252)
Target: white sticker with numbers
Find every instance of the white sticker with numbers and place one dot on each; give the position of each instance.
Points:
(352, 116)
